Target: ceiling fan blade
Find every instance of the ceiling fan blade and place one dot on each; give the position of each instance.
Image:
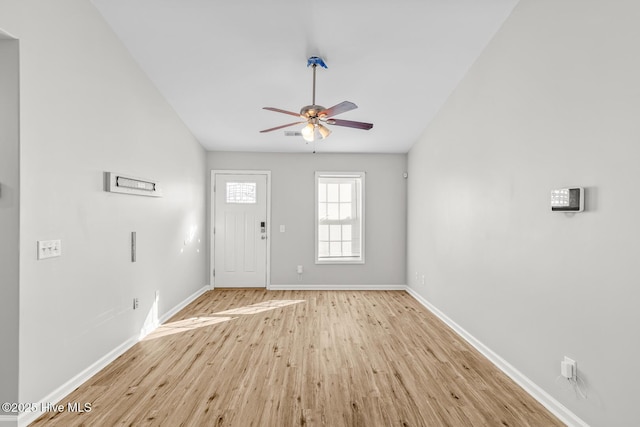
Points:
(343, 107)
(278, 110)
(280, 127)
(350, 124)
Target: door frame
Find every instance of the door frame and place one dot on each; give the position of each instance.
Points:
(212, 219)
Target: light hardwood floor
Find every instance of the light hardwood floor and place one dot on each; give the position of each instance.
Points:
(286, 358)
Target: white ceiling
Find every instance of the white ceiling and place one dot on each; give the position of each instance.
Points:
(219, 62)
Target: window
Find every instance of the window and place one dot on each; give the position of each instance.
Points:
(241, 192)
(339, 218)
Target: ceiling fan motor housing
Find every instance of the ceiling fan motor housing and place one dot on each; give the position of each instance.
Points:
(311, 111)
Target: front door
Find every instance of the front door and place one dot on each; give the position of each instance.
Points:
(240, 230)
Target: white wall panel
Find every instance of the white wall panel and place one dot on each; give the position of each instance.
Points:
(292, 202)
(85, 108)
(552, 102)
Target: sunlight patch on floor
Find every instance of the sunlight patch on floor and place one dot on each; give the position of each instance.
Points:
(185, 326)
(192, 323)
(260, 307)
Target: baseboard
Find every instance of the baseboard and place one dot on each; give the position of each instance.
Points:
(8, 421)
(311, 287)
(57, 395)
(555, 407)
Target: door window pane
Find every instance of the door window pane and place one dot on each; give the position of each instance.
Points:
(241, 192)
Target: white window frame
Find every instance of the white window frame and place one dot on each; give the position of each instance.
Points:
(360, 209)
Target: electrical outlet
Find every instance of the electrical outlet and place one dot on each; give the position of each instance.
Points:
(568, 368)
(135, 303)
(49, 248)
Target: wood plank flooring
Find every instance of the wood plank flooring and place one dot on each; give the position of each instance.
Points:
(288, 358)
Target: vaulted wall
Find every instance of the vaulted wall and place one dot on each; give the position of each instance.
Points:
(553, 101)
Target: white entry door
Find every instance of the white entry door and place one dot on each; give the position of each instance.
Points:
(240, 230)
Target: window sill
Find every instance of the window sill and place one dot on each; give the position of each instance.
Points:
(339, 261)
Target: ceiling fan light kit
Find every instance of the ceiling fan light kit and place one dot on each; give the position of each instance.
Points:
(315, 115)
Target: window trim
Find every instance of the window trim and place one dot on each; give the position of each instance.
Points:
(361, 208)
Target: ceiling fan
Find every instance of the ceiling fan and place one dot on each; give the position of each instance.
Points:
(315, 115)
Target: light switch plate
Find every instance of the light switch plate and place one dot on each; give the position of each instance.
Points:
(49, 248)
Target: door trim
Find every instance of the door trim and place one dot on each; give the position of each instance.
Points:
(212, 219)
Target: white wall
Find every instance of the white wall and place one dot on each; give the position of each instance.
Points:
(553, 101)
(9, 218)
(86, 108)
(292, 205)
